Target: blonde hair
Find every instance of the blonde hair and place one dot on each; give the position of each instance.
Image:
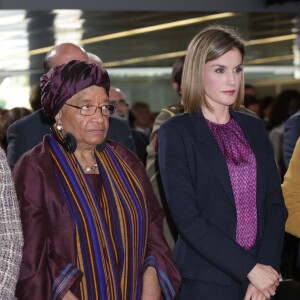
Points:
(209, 44)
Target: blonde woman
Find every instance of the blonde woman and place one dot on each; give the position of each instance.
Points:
(220, 179)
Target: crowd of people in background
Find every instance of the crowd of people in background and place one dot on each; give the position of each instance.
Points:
(175, 156)
(274, 110)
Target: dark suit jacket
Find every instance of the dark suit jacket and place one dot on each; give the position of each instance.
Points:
(290, 137)
(27, 132)
(141, 142)
(200, 197)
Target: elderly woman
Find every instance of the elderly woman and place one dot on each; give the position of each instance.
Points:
(11, 232)
(92, 225)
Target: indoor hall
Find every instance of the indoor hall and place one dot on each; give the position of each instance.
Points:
(138, 45)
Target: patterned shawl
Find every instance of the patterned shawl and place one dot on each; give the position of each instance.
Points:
(111, 228)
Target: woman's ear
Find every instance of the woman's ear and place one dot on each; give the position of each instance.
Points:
(58, 118)
(176, 87)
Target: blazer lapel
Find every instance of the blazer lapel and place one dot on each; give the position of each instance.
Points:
(211, 152)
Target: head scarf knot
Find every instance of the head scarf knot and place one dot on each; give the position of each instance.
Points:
(64, 81)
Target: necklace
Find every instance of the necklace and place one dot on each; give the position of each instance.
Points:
(89, 169)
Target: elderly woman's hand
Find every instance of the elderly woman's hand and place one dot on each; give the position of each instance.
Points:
(69, 296)
(151, 287)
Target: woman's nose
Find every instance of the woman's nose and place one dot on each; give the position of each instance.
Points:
(98, 116)
(230, 78)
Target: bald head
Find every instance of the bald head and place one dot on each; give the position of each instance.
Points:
(117, 98)
(62, 54)
(95, 59)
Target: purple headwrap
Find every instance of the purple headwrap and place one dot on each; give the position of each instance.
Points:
(64, 81)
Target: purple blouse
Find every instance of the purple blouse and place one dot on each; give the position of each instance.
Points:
(241, 165)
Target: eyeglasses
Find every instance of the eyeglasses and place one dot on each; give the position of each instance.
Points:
(90, 110)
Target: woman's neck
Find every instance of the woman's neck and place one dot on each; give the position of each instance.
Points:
(218, 115)
(87, 160)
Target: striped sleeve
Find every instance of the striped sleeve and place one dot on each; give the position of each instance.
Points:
(64, 281)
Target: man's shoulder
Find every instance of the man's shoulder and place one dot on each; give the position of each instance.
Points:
(295, 118)
(118, 123)
(166, 114)
(172, 110)
(37, 154)
(34, 120)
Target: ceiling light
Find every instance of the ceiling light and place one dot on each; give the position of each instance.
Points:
(155, 28)
(144, 59)
(166, 71)
(269, 59)
(68, 26)
(142, 30)
(11, 17)
(271, 40)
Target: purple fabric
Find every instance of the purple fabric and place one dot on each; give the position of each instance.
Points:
(64, 81)
(241, 165)
(53, 245)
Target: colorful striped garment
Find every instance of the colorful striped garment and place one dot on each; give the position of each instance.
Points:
(111, 228)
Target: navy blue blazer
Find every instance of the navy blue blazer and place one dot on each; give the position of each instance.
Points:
(199, 194)
(27, 132)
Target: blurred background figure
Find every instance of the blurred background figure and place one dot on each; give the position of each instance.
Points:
(24, 134)
(141, 140)
(141, 117)
(95, 59)
(7, 119)
(250, 90)
(35, 97)
(252, 103)
(117, 98)
(152, 150)
(2, 112)
(265, 109)
(27, 132)
(286, 104)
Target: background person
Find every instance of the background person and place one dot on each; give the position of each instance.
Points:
(252, 103)
(220, 179)
(141, 140)
(35, 97)
(285, 105)
(7, 119)
(152, 166)
(290, 136)
(141, 117)
(102, 238)
(26, 133)
(291, 193)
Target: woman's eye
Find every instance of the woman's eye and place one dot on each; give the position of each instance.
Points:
(239, 69)
(85, 107)
(219, 70)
